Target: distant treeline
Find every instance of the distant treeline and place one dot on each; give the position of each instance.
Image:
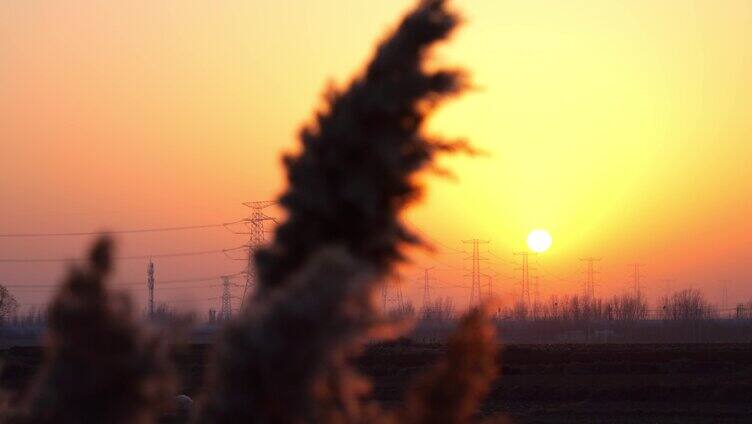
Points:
(684, 316)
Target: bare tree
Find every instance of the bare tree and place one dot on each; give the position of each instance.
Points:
(8, 304)
(628, 308)
(405, 309)
(686, 305)
(439, 310)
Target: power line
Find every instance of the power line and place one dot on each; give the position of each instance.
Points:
(130, 231)
(122, 258)
(128, 283)
(50, 289)
(189, 300)
(555, 276)
(431, 239)
(128, 289)
(491, 252)
(178, 280)
(442, 264)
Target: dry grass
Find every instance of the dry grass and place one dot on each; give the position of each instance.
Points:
(286, 359)
(99, 367)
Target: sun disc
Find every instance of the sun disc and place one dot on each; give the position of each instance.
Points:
(539, 240)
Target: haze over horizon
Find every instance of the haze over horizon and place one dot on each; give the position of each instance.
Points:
(622, 129)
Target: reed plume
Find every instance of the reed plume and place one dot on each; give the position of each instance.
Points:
(285, 359)
(99, 366)
(453, 390)
(354, 174)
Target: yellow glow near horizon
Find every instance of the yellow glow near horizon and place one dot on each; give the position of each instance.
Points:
(623, 127)
(539, 240)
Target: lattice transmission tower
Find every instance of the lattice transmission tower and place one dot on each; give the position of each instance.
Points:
(475, 272)
(525, 279)
(391, 293)
(426, 288)
(536, 295)
(636, 279)
(589, 286)
(256, 230)
(225, 310)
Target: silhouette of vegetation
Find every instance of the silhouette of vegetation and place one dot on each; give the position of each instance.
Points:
(686, 305)
(355, 171)
(99, 367)
(452, 391)
(625, 307)
(286, 358)
(438, 310)
(404, 310)
(8, 304)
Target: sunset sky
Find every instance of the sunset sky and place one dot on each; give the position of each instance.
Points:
(621, 127)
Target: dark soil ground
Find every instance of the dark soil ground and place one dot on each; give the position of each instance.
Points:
(583, 383)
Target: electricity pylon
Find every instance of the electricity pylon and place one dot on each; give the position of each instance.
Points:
(391, 292)
(590, 278)
(475, 274)
(525, 279)
(426, 288)
(225, 311)
(536, 295)
(724, 294)
(636, 279)
(256, 229)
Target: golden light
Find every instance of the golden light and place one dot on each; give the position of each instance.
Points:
(539, 240)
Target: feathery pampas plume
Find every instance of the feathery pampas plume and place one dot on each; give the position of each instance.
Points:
(452, 392)
(285, 361)
(286, 358)
(354, 173)
(99, 368)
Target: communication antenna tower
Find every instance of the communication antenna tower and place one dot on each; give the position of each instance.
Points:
(150, 286)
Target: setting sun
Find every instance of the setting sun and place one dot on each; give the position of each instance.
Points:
(539, 240)
(285, 209)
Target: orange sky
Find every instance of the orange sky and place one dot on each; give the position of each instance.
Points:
(620, 127)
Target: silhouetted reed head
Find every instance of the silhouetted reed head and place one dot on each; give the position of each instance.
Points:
(356, 169)
(285, 359)
(99, 367)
